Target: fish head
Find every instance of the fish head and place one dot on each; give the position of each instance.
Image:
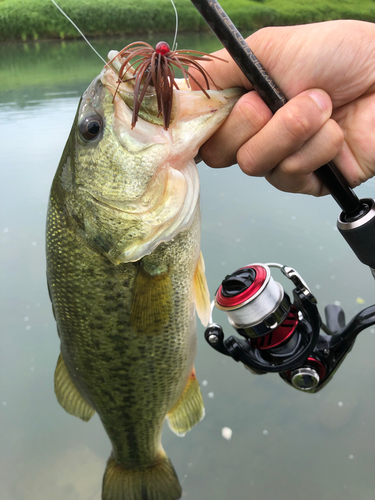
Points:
(133, 187)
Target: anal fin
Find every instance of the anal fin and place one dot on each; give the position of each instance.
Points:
(189, 409)
(202, 295)
(67, 394)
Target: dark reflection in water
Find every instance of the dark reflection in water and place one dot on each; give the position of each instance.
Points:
(285, 444)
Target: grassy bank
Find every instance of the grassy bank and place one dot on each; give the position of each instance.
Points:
(39, 19)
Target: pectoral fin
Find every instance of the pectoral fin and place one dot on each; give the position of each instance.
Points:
(189, 409)
(202, 295)
(152, 301)
(67, 394)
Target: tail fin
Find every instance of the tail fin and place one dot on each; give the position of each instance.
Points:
(158, 482)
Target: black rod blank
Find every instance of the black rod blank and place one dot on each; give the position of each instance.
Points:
(244, 57)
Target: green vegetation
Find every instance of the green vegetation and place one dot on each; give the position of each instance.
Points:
(39, 19)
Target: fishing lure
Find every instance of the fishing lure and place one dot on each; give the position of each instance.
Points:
(155, 66)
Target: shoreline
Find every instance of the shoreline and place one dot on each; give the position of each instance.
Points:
(37, 20)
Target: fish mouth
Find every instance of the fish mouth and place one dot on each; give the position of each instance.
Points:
(186, 102)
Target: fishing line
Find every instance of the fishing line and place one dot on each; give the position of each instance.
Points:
(174, 45)
(79, 31)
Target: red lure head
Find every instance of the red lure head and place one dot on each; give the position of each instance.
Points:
(156, 67)
(162, 48)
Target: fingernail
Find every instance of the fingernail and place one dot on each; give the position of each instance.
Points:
(320, 98)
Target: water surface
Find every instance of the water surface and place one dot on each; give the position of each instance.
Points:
(285, 444)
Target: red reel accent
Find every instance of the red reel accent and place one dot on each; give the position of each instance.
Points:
(319, 367)
(280, 335)
(237, 300)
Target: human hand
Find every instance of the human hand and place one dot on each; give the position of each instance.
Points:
(327, 71)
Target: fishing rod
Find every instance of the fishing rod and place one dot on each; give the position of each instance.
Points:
(278, 335)
(357, 220)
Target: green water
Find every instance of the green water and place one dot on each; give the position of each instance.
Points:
(286, 445)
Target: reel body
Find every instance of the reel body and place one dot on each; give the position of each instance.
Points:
(281, 336)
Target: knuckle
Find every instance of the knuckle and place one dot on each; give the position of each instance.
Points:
(214, 157)
(254, 115)
(294, 184)
(337, 135)
(246, 161)
(297, 124)
(291, 166)
(210, 158)
(208, 155)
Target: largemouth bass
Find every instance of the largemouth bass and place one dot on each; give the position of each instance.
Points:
(125, 273)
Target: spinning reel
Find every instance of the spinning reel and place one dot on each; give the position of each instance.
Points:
(278, 335)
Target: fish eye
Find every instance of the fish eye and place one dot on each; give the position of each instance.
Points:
(90, 127)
